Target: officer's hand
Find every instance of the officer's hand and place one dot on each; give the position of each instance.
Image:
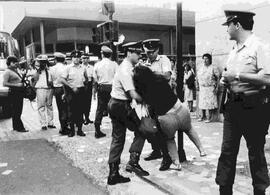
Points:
(228, 76)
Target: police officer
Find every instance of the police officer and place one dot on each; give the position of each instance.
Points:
(248, 69)
(88, 89)
(123, 91)
(74, 78)
(161, 66)
(56, 71)
(103, 76)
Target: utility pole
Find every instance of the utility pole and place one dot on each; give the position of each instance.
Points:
(180, 76)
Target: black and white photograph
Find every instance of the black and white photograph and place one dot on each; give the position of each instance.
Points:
(144, 97)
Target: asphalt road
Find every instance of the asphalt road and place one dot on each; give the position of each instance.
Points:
(35, 167)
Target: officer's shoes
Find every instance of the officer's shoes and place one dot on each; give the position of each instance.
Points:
(165, 164)
(153, 155)
(115, 179)
(137, 169)
(80, 133)
(99, 134)
(63, 132)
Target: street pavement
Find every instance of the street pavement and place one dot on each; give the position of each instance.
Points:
(90, 155)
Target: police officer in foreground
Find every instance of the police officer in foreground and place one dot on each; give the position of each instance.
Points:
(103, 74)
(74, 78)
(161, 66)
(123, 91)
(248, 71)
(56, 71)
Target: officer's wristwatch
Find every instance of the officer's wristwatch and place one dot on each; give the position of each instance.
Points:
(237, 76)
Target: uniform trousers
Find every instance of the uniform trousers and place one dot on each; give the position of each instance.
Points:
(118, 110)
(103, 95)
(62, 107)
(16, 100)
(75, 106)
(249, 121)
(87, 99)
(45, 108)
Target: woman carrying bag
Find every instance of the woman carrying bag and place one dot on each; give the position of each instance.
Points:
(171, 113)
(14, 81)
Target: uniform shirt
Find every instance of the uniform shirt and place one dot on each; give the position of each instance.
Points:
(104, 71)
(42, 80)
(252, 57)
(123, 81)
(56, 71)
(161, 64)
(75, 75)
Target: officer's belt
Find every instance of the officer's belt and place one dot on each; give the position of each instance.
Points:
(242, 97)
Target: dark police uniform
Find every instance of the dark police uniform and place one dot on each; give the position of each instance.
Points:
(103, 75)
(244, 113)
(56, 71)
(75, 75)
(118, 108)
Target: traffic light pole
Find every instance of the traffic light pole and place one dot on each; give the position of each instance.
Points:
(180, 76)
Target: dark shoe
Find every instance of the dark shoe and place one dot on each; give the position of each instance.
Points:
(165, 164)
(51, 126)
(99, 134)
(63, 132)
(22, 131)
(44, 128)
(80, 133)
(72, 130)
(153, 155)
(225, 190)
(133, 165)
(114, 176)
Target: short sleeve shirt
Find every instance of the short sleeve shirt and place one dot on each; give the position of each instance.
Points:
(123, 81)
(161, 64)
(75, 75)
(104, 71)
(56, 71)
(252, 57)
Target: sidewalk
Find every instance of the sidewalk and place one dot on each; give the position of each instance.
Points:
(197, 175)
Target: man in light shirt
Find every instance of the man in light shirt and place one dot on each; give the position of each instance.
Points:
(103, 76)
(56, 71)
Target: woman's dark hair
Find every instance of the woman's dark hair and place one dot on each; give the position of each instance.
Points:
(208, 56)
(143, 79)
(11, 59)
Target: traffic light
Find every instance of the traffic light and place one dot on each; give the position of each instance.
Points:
(106, 32)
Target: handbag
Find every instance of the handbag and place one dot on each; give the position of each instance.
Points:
(133, 120)
(148, 125)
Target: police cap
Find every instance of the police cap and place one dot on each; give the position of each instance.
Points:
(233, 15)
(105, 49)
(133, 47)
(76, 54)
(151, 44)
(59, 55)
